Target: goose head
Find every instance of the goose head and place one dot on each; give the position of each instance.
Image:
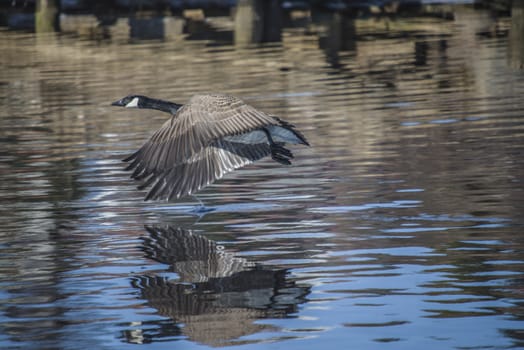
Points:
(131, 101)
(140, 101)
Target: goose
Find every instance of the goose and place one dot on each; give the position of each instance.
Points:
(206, 138)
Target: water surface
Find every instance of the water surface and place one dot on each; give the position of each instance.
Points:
(400, 227)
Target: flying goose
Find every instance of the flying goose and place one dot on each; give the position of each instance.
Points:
(209, 136)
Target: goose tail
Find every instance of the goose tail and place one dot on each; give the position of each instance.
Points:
(286, 132)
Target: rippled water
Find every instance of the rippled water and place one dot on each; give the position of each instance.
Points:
(401, 227)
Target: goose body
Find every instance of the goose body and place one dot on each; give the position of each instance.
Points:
(209, 136)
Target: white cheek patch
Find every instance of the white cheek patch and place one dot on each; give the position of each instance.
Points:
(133, 103)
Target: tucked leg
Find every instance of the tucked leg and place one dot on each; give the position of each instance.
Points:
(278, 152)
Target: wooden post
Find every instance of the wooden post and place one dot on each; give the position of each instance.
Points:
(272, 30)
(248, 22)
(341, 35)
(47, 16)
(257, 21)
(516, 35)
(343, 27)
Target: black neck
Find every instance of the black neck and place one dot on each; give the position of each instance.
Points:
(161, 105)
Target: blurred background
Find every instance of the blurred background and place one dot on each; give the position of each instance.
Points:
(399, 228)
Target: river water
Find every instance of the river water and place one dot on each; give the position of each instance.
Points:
(400, 228)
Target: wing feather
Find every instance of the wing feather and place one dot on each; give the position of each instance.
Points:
(205, 167)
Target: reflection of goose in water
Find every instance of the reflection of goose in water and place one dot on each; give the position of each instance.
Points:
(204, 139)
(219, 296)
(194, 257)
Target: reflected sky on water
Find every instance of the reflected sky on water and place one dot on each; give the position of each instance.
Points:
(400, 226)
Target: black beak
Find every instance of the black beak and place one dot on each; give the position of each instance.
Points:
(119, 103)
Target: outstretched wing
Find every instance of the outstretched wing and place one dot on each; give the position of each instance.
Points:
(202, 121)
(203, 168)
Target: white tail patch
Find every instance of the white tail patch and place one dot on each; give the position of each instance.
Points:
(133, 103)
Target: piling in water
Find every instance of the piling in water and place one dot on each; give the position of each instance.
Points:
(47, 16)
(257, 21)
